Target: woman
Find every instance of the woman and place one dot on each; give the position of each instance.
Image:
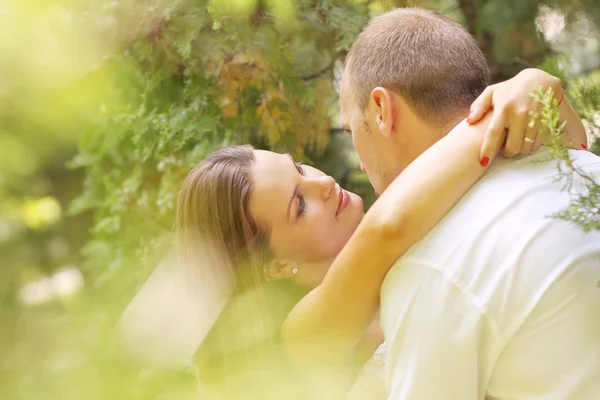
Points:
(307, 264)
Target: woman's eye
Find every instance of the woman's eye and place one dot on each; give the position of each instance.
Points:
(299, 167)
(301, 206)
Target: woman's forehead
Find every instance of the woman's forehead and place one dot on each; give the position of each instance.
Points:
(274, 180)
(271, 169)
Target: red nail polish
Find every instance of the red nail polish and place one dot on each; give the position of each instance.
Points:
(583, 146)
(485, 161)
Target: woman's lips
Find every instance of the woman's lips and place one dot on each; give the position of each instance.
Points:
(343, 201)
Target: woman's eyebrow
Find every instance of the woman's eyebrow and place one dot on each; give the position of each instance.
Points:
(295, 192)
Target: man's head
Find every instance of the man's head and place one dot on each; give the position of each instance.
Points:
(411, 75)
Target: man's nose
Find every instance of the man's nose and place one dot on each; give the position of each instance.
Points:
(362, 168)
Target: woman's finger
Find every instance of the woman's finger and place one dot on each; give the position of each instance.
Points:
(529, 140)
(492, 144)
(533, 130)
(574, 144)
(481, 105)
(540, 140)
(517, 142)
(495, 138)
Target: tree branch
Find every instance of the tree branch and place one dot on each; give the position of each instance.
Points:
(336, 131)
(321, 71)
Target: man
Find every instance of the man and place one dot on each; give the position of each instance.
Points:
(499, 301)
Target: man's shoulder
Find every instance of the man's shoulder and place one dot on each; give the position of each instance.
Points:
(504, 212)
(539, 166)
(519, 185)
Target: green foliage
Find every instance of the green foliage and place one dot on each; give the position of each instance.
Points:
(584, 210)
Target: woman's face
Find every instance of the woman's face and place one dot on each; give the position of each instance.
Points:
(310, 216)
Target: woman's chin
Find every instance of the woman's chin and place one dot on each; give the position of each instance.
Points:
(356, 209)
(357, 202)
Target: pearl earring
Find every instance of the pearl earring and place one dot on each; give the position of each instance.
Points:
(294, 270)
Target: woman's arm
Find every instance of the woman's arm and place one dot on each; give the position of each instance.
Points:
(326, 324)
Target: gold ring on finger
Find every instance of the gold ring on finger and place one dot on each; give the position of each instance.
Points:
(528, 140)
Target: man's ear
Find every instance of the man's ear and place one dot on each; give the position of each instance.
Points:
(383, 109)
(280, 269)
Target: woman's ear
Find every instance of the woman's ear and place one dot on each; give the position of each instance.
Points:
(382, 108)
(280, 269)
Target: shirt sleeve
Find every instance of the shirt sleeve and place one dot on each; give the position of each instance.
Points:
(435, 335)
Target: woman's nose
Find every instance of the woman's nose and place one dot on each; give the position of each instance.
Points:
(326, 186)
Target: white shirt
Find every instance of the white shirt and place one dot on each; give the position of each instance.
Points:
(499, 301)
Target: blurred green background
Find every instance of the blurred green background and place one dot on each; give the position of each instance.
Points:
(106, 105)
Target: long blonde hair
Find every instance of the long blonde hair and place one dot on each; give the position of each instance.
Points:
(214, 225)
(213, 208)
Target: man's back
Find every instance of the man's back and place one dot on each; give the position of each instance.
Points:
(500, 299)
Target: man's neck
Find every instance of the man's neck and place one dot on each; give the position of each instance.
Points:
(421, 136)
(441, 131)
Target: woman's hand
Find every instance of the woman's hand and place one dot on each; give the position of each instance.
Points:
(513, 105)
